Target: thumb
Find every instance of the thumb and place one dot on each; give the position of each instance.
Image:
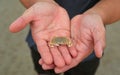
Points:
(99, 41)
(22, 21)
(75, 25)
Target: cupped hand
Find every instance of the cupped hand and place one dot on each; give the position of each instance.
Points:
(88, 33)
(48, 20)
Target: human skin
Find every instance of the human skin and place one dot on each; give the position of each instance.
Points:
(52, 21)
(88, 32)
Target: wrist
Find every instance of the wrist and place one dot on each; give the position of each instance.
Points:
(97, 13)
(29, 3)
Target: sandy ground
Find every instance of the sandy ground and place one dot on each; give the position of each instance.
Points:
(15, 56)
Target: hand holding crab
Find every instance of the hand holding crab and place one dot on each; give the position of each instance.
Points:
(52, 26)
(88, 33)
(52, 21)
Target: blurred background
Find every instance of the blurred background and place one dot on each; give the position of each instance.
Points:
(15, 58)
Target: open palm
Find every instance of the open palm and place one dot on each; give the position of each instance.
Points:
(47, 21)
(88, 33)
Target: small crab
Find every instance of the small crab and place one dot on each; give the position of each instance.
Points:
(56, 41)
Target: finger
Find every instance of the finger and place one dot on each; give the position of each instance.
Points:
(73, 51)
(48, 67)
(74, 31)
(76, 19)
(58, 59)
(74, 62)
(65, 53)
(74, 25)
(82, 54)
(99, 49)
(44, 51)
(22, 21)
(41, 61)
(99, 41)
